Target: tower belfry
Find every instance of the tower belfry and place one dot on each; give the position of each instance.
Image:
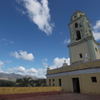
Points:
(82, 40)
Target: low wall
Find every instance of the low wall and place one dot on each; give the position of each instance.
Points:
(19, 90)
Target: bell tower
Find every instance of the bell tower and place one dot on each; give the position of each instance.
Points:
(82, 40)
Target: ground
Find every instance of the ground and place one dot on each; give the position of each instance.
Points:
(66, 96)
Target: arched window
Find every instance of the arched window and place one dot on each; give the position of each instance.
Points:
(96, 49)
(76, 25)
(78, 35)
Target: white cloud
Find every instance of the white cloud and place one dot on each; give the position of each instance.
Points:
(7, 61)
(11, 42)
(1, 64)
(96, 30)
(6, 41)
(21, 10)
(45, 59)
(32, 71)
(61, 33)
(3, 39)
(58, 62)
(97, 26)
(1, 70)
(45, 64)
(96, 35)
(66, 41)
(38, 12)
(23, 54)
(23, 70)
(40, 73)
(20, 69)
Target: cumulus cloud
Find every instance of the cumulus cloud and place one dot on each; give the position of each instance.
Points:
(39, 13)
(23, 54)
(66, 41)
(1, 64)
(97, 26)
(22, 69)
(58, 62)
(31, 71)
(96, 30)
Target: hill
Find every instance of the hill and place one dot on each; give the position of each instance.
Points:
(14, 76)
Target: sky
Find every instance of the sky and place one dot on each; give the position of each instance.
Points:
(34, 34)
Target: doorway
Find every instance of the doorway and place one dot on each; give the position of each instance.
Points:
(76, 85)
(59, 82)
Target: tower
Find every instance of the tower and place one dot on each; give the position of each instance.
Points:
(82, 40)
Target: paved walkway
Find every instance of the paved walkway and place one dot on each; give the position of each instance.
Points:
(67, 96)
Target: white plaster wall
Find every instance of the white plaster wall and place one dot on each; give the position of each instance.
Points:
(97, 52)
(76, 50)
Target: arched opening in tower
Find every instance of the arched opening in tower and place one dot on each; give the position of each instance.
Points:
(76, 25)
(78, 35)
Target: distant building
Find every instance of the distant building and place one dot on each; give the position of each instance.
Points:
(83, 74)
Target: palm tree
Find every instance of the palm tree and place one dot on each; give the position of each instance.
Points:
(6, 83)
(26, 81)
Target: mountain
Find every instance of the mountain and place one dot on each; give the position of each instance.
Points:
(14, 76)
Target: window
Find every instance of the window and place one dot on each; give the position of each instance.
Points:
(49, 82)
(80, 55)
(93, 79)
(78, 35)
(96, 49)
(80, 25)
(74, 16)
(76, 25)
(59, 82)
(90, 31)
(80, 14)
(53, 82)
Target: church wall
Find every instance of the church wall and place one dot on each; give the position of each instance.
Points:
(97, 53)
(86, 84)
(76, 50)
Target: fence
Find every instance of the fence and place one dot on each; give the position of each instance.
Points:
(20, 90)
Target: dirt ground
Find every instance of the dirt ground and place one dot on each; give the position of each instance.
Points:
(66, 96)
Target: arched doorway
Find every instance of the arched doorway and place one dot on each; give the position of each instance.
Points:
(78, 35)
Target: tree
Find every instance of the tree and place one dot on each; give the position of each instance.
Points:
(26, 81)
(6, 83)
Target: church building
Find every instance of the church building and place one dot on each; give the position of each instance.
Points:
(83, 73)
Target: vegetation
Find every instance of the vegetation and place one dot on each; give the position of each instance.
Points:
(6, 83)
(23, 82)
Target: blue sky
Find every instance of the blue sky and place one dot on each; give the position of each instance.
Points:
(34, 34)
